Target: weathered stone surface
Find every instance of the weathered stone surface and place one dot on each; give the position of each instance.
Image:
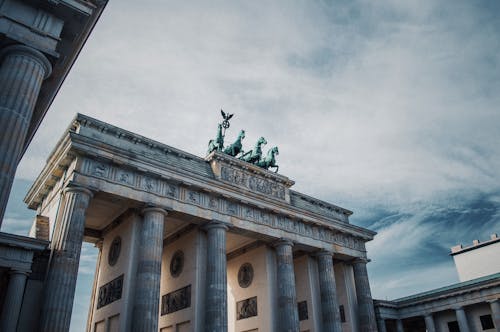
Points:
(22, 71)
(366, 312)
(463, 324)
(216, 284)
(288, 317)
(328, 292)
(66, 247)
(147, 291)
(495, 313)
(13, 300)
(429, 323)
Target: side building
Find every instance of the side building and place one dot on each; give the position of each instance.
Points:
(472, 305)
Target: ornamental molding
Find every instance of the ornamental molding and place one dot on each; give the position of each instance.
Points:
(222, 204)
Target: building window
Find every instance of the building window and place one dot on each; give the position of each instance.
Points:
(342, 313)
(453, 326)
(486, 322)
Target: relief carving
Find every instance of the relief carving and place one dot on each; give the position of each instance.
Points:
(246, 308)
(254, 183)
(176, 300)
(110, 292)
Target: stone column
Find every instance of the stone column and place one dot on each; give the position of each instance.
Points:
(399, 325)
(429, 323)
(381, 325)
(66, 247)
(147, 285)
(22, 70)
(495, 313)
(366, 312)
(328, 293)
(216, 282)
(90, 314)
(462, 320)
(13, 300)
(288, 316)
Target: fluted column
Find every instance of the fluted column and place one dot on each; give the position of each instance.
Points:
(147, 285)
(462, 320)
(90, 314)
(66, 247)
(429, 323)
(495, 313)
(216, 296)
(366, 312)
(399, 325)
(13, 300)
(22, 70)
(381, 325)
(288, 316)
(328, 292)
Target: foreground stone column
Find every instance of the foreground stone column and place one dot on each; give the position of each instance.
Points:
(147, 285)
(495, 313)
(328, 293)
(22, 71)
(399, 325)
(288, 316)
(216, 288)
(66, 247)
(13, 300)
(381, 325)
(462, 320)
(429, 323)
(366, 312)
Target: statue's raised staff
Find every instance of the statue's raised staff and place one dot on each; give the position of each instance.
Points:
(270, 160)
(235, 148)
(254, 155)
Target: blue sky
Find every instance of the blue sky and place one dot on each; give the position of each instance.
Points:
(387, 108)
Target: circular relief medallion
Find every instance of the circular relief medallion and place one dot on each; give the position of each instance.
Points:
(177, 263)
(245, 275)
(114, 250)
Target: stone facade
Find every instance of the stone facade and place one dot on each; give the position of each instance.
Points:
(471, 305)
(187, 243)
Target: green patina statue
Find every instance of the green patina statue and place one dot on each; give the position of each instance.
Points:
(270, 160)
(254, 155)
(216, 144)
(235, 148)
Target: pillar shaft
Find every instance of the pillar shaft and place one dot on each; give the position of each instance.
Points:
(216, 288)
(147, 285)
(462, 320)
(12, 302)
(429, 323)
(22, 70)
(366, 313)
(288, 316)
(328, 290)
(399, 325)
(381, 325)
(495, 313)
(66, 247)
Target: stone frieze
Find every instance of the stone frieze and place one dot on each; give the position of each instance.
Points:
(165, 188)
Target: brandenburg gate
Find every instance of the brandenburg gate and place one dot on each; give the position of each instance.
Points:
(193, 244)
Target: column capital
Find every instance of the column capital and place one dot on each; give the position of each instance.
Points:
(30, 51)
(76, 189)
(360, 260)
(215, 224)
(282, 242)
(154, 209)
(324, 253)
(16, 271)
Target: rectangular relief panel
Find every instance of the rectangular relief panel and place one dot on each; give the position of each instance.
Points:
(176, 300)
(246, 308)
(110, 292)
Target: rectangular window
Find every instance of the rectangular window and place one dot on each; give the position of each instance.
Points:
(486, 322)
(342, 313)
(453, 326)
